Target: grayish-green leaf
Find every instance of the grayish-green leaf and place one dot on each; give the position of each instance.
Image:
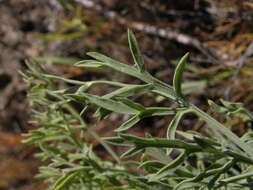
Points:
(131, 152)
(89, 64)
(216, 108)
(104, 103)
(131, 104)
(129, 123)
(130, 90)
(152, 111)
(177, 79)
(173, 165)
(171, 131)
(138, 59)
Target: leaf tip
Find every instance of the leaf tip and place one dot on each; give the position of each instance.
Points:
(177, 79)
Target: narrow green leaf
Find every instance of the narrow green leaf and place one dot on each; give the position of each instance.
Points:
(151, 163)
(234, 179)
(85, 108)
(138, 59)
(205, 142)
(239, 157)
(158, 154)
(107, 61)
(216, 108)
(89, 64)
(102, 113)
(188, 134)
(131, 152)
(177, 79)
(247, 136)
(53, 77)
(159, 111)
(146, 112)
(129, 123)
(164, 93)
(104, 103)
(114, 140)
(231, 105)
(219, 171)
(232, 138)
(169, 167)
(171, 131)
(187, 184)
(98, 82)
(160, 142)
(131, 104)
(130, 90)
(64, 181)
(159, 86)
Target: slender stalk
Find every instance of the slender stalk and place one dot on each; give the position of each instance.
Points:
(85, 126)
(221, 128)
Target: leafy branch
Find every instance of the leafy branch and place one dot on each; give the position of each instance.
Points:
(224, 159)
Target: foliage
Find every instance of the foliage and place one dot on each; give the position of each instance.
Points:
(220, 160)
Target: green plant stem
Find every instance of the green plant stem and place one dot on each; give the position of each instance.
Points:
(168, 92)
(229, 134)
(86, 127)
(234, 179)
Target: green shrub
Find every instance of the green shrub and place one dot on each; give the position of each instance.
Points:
(221, 159)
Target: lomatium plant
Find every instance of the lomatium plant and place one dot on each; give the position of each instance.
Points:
(180, 160)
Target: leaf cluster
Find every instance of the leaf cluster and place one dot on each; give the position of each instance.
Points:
(220, 160)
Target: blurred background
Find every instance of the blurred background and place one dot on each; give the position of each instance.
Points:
(57, 33)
